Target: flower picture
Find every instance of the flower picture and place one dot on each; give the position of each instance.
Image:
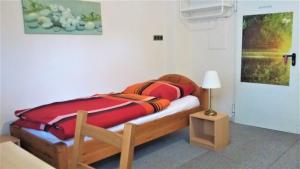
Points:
(62, 17)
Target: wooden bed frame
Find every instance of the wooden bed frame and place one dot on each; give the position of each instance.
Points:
(60, 156)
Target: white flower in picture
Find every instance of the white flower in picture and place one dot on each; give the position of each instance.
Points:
(45, 12)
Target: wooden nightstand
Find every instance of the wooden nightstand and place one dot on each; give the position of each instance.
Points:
(209, 131)
(10, 138)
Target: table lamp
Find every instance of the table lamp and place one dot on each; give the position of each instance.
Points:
(211, 81)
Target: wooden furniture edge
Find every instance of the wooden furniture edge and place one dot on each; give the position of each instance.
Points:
(124, 142)
(57, 154)
(53, 154)
(5, 138)
(15, 157)
(217, 127)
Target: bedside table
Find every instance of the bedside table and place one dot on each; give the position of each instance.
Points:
(209, 131)
(10, 138)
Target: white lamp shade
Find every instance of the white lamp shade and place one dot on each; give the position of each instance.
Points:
(211, 80)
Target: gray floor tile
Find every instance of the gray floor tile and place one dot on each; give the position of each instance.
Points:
(170, 157)
(241, 134)
(262, 150)
(210, 160)
(289, 160)
(250, 148)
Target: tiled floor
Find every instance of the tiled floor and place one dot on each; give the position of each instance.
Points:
(250, 148)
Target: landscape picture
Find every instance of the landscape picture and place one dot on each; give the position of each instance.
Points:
(62, 17)
(266, 38)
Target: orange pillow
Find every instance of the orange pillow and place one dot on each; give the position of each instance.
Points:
(160, 89)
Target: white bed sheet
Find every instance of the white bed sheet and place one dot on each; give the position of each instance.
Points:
(185, 103)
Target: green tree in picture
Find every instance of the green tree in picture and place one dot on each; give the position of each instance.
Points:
(266, 38)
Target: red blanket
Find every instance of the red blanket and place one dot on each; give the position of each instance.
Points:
(105, 111)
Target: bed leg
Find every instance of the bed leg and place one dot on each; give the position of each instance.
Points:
(62, 157)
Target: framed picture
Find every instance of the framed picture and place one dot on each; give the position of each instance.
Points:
(62, 17)
(266, 38)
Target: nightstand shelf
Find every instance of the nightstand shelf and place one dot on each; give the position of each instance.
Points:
(209, 131)
(207, 140)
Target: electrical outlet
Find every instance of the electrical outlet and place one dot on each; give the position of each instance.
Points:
(158, 37)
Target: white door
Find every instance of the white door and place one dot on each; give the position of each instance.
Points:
(267, 89)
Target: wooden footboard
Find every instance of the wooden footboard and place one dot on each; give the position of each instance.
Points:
(95, 150)
(59, 155)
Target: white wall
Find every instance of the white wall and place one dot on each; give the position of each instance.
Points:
(37, 69)
(222, 59)
(201, 46)
(178, 41)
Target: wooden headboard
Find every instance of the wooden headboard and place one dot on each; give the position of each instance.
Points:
(201, 93)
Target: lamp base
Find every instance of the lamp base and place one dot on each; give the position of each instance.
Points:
(210, 112)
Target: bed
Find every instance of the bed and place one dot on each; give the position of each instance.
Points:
(58, 152)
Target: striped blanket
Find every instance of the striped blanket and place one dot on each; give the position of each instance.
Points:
(105, 111)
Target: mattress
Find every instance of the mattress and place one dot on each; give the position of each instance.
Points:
(185, 103)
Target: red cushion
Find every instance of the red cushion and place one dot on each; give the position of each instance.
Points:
(161, 89)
